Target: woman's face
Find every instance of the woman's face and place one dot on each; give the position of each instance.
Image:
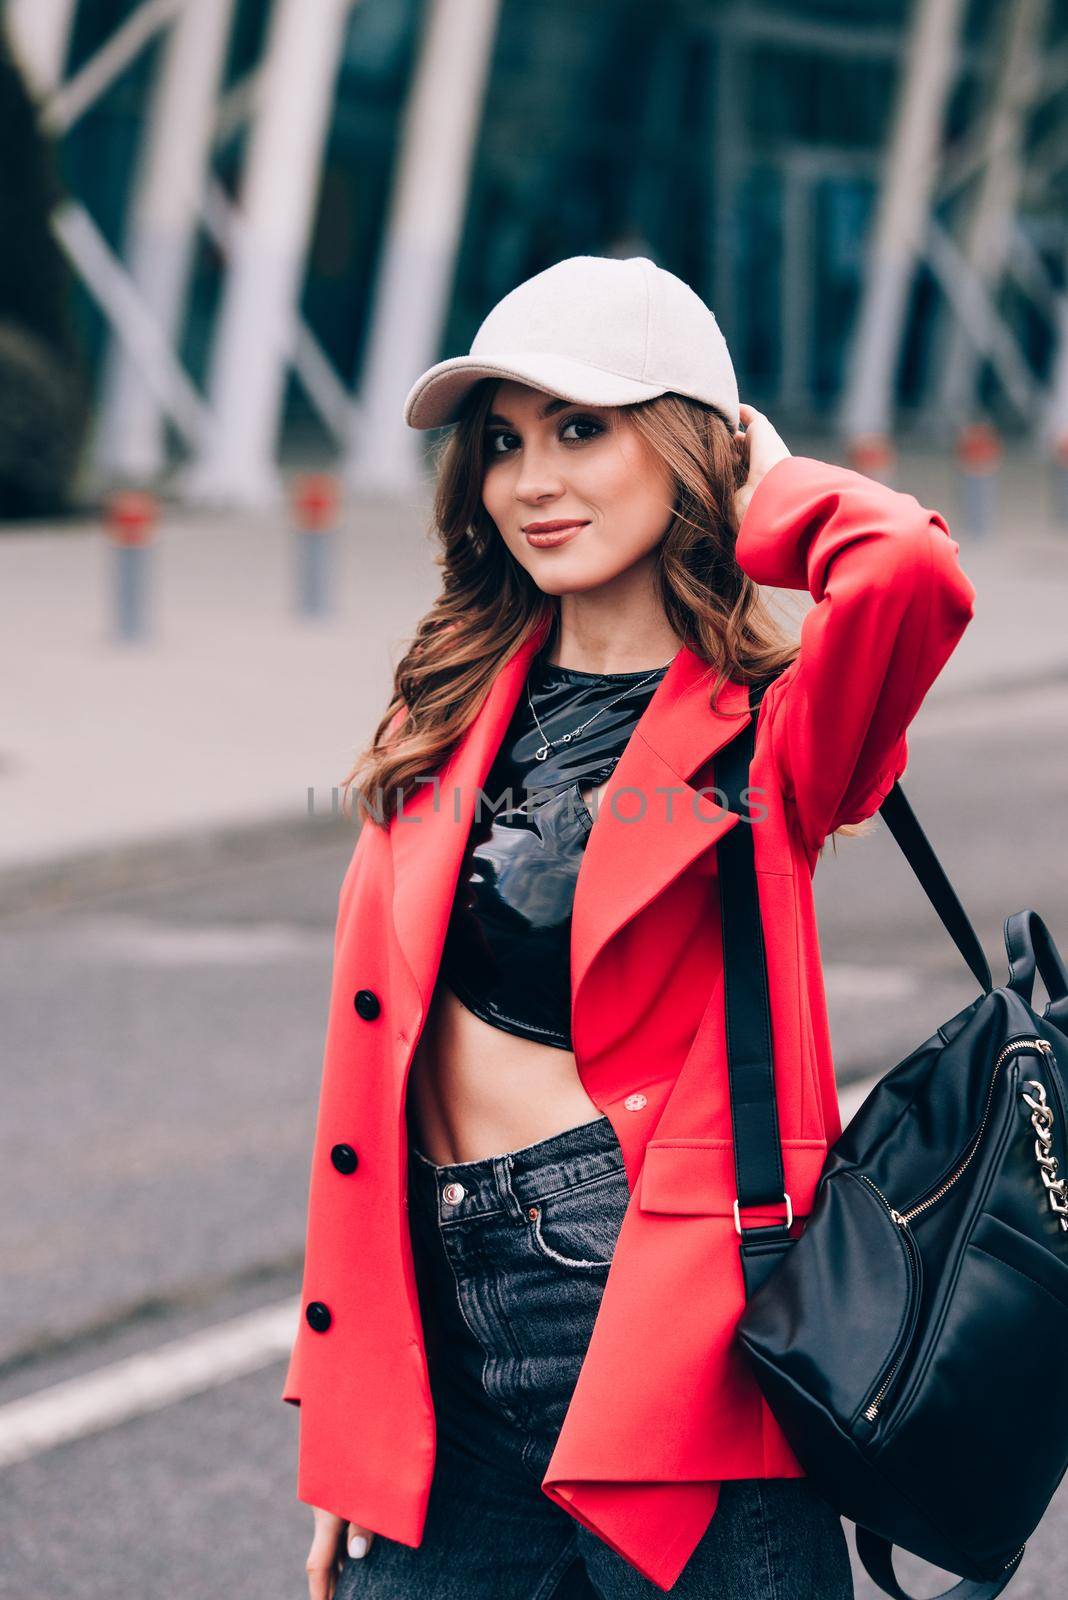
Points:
(552, 460)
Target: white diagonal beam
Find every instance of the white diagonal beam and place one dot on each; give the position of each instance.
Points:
(39, 33)
(986, 238)
(311, 364)
(253, 341)
(418, 259)
(174, 163)
(904, 205)
(979, 317)
(111, 287)
(95, 78)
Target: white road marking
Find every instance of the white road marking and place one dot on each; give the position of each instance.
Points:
(147, 1382)
(183, 1367)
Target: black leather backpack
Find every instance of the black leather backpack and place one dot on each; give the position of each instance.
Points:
(912, 1340)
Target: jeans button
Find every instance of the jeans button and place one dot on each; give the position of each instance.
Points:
(453, 1193)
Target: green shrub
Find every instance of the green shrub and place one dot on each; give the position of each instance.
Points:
(42, 417)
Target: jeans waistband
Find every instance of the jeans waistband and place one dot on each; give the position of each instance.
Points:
(467, 1188)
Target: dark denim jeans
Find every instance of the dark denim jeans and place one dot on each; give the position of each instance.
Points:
(512, 1254)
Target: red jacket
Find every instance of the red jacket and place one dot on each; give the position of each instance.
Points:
(665, 1406)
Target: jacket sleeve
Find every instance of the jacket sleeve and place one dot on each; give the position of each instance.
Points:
(891, 604)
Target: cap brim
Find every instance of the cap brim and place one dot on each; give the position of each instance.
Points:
(436, 399)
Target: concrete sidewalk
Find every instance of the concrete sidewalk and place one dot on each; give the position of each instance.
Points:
(236, 707)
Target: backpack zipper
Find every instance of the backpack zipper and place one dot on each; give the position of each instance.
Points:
(871, 1410)
(903, 1218)
(1012, 1048)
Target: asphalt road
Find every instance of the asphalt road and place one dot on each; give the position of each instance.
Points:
(163, 1032)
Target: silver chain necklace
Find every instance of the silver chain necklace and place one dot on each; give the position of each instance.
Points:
(542, 751)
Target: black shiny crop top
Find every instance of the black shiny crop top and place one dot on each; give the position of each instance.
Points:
(507, 952)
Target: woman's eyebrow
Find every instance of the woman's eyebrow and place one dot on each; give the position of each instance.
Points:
(546, 410)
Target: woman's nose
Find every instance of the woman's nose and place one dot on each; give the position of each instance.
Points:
(537, 478)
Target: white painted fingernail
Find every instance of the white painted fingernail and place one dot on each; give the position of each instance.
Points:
(358, 1545)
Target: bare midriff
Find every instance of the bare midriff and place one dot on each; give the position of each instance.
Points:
(476, 1091)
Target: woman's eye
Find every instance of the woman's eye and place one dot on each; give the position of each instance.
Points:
(583, 422)
(501, 442)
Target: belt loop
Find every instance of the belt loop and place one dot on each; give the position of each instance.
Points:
(502, 1174)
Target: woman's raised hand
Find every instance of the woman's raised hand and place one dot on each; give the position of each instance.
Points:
(323, 1565)
(766, 447)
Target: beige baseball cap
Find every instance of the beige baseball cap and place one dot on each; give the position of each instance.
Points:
(594, 329)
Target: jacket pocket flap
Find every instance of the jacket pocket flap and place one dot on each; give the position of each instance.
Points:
(695, 1177)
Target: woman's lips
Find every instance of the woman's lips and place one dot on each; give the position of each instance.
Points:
(554, 536)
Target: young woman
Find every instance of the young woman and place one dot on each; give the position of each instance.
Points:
(516, 1366)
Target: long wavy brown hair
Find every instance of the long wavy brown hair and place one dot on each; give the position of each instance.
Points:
(489, 604)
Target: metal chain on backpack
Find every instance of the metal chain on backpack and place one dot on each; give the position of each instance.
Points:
(1042, 1122)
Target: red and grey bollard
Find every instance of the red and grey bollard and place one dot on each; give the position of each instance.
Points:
(978, 465)
(316, 503)
(873, 454)
(1060, 480)
(130, 520)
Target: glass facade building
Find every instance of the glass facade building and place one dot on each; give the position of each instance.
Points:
(740, 146)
